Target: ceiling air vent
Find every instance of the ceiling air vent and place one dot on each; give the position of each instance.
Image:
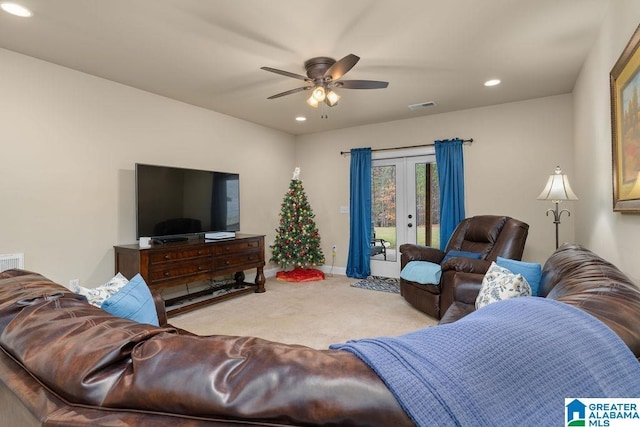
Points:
(422, 105)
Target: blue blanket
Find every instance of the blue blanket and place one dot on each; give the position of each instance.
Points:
(510, 363)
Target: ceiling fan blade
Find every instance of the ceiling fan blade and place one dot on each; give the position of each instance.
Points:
(286, 73)
(361, 84)
(289, 92)
(341, 67)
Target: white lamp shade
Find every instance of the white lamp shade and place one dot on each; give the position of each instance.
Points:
(312, 102)
(319, 93)
(557, 188)
(332, 98)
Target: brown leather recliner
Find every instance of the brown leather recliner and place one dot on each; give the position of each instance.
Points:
(491, 236)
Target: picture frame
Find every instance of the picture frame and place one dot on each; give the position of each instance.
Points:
(624, 81)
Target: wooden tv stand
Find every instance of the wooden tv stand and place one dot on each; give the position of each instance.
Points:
(169, 265)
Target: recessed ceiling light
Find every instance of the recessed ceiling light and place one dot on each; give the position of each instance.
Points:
(301, 119)
(492, 82)
(16, 9)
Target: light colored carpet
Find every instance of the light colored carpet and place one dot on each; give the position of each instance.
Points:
(314, 314)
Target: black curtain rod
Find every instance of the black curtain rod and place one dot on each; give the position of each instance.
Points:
(464, 141)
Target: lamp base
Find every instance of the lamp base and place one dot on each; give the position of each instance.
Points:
(557, 213)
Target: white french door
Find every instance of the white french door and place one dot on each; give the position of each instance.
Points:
(402, 208)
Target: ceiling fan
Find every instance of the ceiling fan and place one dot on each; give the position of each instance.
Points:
(323, 76)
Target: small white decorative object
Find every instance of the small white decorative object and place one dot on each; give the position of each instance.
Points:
(296, 174)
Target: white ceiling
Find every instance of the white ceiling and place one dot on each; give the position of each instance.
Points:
(209, 52)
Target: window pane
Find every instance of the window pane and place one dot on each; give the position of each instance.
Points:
(383, 212)
(423, 233)
(435, 207)
(427, 205)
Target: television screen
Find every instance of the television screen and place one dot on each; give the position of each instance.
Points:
(173, 201)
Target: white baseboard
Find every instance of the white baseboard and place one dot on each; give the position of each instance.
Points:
(340, 271)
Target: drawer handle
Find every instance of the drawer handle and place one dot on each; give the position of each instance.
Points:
(199, 252)
(167, 274)
(167, 257)
(227, 262)
(199, 268)
(251, 258)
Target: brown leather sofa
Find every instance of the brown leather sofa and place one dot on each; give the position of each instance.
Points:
(64, 362)
(490, 236)
(578, 277)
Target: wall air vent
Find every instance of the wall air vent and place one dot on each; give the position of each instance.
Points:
(9, 261)
(422, 105)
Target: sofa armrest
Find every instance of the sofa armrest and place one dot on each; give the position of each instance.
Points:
(411, 252)
(456, 311)
(467, 290)
(160, 308)
(458, 286)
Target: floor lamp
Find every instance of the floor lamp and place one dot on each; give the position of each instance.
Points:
(557, 190)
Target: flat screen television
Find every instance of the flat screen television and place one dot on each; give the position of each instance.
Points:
(178, 202)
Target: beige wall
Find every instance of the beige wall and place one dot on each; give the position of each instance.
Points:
(613, 236)
(69, 143)
(516, 147)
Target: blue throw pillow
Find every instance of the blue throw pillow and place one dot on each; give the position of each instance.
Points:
(464, 254)
(134, 301)
(531, 271)
(423, 272)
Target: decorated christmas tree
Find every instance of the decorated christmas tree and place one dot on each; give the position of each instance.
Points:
(297, 243)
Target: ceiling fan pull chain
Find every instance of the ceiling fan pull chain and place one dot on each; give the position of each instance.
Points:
(323, 114)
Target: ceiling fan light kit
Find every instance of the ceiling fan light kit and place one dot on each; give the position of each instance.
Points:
(322, 77)
(320, 94)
